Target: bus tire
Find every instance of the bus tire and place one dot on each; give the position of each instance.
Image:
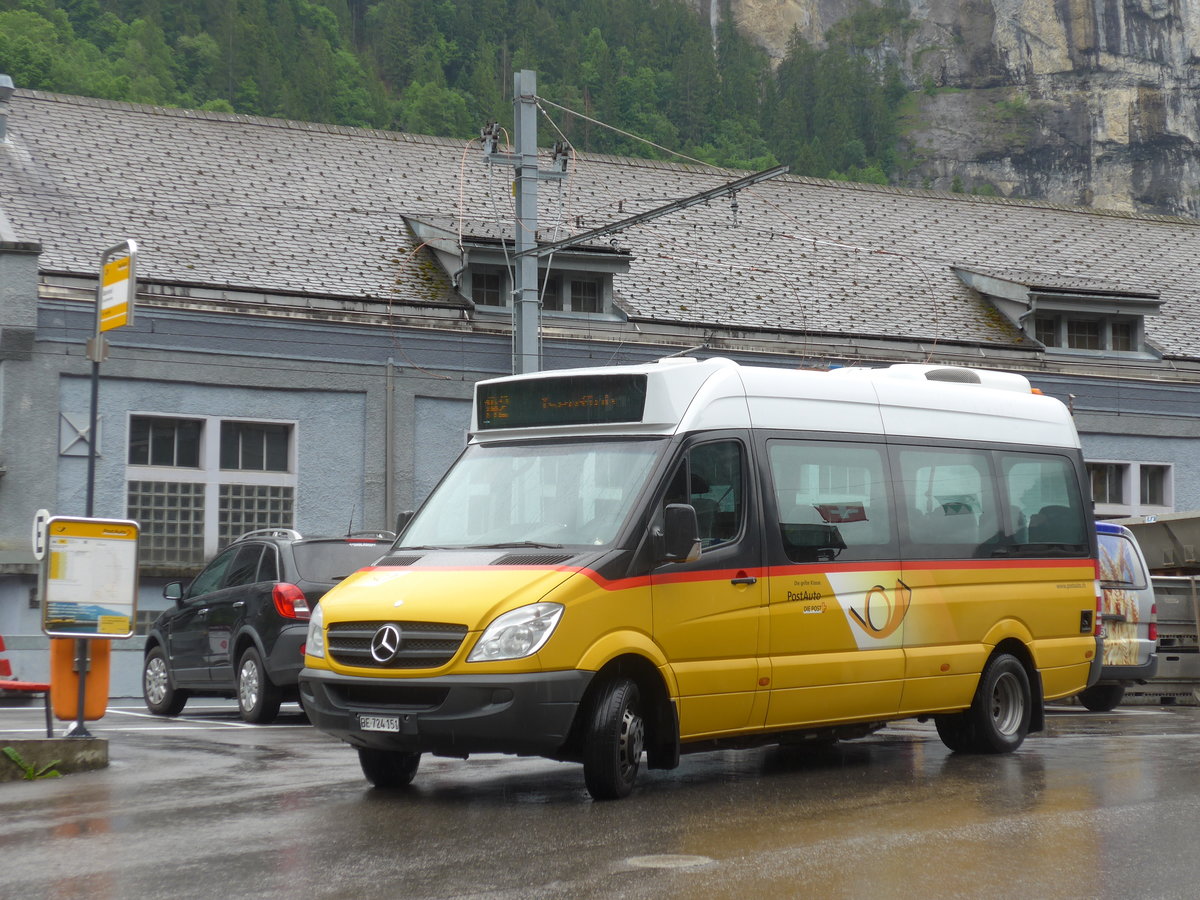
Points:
(388, 768)
(613, 742)
(1102, 697)
(954, 732)
(999, 714)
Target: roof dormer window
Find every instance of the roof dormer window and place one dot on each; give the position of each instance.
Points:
(478, 258)
(1070, 315)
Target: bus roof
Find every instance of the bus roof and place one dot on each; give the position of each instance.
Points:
(680, 394)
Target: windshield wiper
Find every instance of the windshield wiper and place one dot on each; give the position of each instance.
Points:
(511, 544)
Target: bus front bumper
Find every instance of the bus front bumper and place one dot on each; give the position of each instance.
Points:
(451, 715)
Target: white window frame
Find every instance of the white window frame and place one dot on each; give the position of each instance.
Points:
(209, 473)
(1132, 504)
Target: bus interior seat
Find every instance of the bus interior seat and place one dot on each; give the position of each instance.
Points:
(1054, 525)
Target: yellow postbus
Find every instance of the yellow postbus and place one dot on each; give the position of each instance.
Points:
(685, 555)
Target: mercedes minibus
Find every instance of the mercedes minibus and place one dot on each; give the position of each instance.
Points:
(643, 561)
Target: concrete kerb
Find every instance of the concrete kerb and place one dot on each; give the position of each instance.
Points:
(63, 755)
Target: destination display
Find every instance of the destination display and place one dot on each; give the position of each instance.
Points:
(570, 400)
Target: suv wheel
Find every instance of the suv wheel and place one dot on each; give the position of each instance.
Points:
(258, 696)
(162, 697)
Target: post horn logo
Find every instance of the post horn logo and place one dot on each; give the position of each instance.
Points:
(882, 613)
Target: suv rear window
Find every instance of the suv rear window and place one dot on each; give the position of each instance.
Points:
(331, 561)
(1119, 565)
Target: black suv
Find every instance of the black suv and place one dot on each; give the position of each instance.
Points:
(238, 629)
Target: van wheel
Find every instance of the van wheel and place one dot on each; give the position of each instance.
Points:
(954, 732)
(161, 695)
(258, 696)
(1102, 697)
(999, 714)
(388, 768)
(616, 735)
(998, 718)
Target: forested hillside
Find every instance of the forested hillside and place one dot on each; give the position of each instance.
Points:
(655, 69)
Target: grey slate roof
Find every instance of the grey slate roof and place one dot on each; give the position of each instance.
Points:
(295, 208)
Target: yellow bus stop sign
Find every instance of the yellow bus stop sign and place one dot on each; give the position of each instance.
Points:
(116, 293)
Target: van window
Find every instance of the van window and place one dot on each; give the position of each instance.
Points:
(831, 499)
(949, 501)
(1044, 515)
(712, 479)
(1119, 564)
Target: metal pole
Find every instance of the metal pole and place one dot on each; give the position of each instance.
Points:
(92, 419)
(526, 355)
(78, 728)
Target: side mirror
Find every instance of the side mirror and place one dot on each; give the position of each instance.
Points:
(402, 519)
(681, 533)
(173, 591)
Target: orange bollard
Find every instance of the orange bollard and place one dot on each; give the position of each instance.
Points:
(64, 680)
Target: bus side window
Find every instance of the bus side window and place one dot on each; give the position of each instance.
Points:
(1046, 517)
(832, 500)
(717, 490)
(711, 479)
(951, 503)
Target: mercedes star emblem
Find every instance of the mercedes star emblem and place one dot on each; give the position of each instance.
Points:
(386, 643)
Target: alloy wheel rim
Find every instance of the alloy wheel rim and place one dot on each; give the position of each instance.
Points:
(156, 681)
(248, 685)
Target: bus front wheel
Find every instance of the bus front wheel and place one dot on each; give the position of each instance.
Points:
(616, 735)
(388, 768)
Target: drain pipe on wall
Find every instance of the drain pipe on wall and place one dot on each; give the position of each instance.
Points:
(389, 446)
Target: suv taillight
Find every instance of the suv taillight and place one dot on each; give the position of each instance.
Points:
(289, 601)
(1154, 622)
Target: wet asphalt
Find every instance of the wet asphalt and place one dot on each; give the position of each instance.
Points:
(204, 806)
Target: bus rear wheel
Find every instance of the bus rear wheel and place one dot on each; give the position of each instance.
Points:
(998, 718)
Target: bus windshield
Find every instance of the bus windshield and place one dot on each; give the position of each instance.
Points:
(535, 494)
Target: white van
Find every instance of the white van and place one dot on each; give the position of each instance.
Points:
(1129, 616)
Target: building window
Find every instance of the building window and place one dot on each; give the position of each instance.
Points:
(1124, 336)
(254, 446)
(196, 484)
(559, 290)
(485, 288)
(1122, 489)
(551, 292)
(1075, 333)
(171, 517)
(1083, 334)
(157, 441)
(249, 507)
(1108, 482)
(1152, 483)
(1045, 329)
(585, 296)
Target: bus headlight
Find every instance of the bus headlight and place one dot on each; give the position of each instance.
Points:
(314, 643)
(518, 633)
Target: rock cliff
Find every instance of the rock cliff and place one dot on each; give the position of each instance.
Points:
(1090, 102)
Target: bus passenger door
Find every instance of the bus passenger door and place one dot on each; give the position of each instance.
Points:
(706, 612)
(837, 603)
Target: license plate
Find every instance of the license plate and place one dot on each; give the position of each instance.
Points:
(379, 723)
